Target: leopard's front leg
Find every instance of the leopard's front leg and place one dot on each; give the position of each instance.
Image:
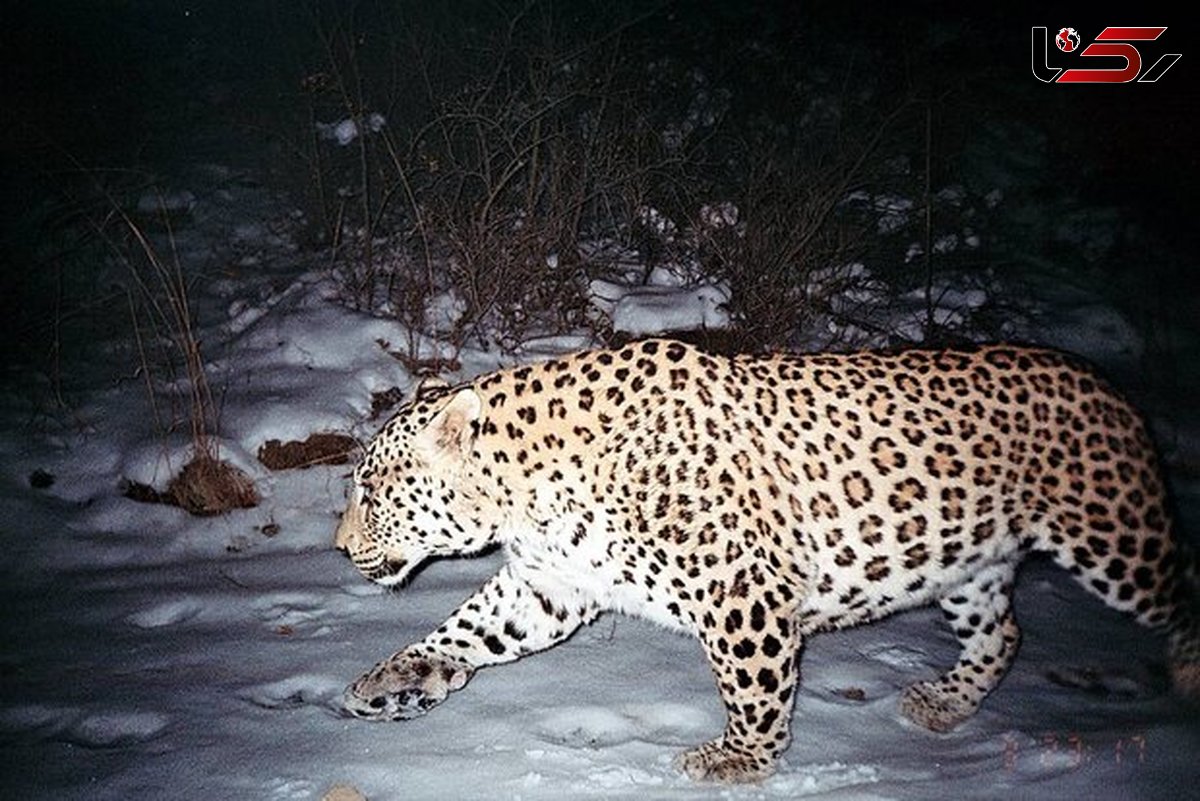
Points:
(503, 621)
(754, 651)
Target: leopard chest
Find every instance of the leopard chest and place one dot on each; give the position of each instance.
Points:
(574, 562)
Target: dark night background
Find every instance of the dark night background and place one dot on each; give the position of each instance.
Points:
(94, 87)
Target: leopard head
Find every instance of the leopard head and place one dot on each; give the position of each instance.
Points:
(410, 499)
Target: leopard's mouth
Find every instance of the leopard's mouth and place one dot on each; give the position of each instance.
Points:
(389, 572)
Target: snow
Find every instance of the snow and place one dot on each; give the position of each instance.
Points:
(150, 654)
(654, 310)
(347, 130)
(668, 300)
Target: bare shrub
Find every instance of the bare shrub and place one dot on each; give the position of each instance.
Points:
(790, 227)
(163, 322)
(516, 141)
(204, 487)
(514, 170)
(510, 143)
(208, 486)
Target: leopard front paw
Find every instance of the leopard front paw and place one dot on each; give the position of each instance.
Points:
(716, 761)
(405, 686)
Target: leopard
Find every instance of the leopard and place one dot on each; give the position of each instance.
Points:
(753, 501)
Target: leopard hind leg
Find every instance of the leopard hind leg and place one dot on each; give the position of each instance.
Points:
(980, 613)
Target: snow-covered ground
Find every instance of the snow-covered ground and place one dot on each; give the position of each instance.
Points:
(148, 654)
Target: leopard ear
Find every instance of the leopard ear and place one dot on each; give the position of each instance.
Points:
(454, 427)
